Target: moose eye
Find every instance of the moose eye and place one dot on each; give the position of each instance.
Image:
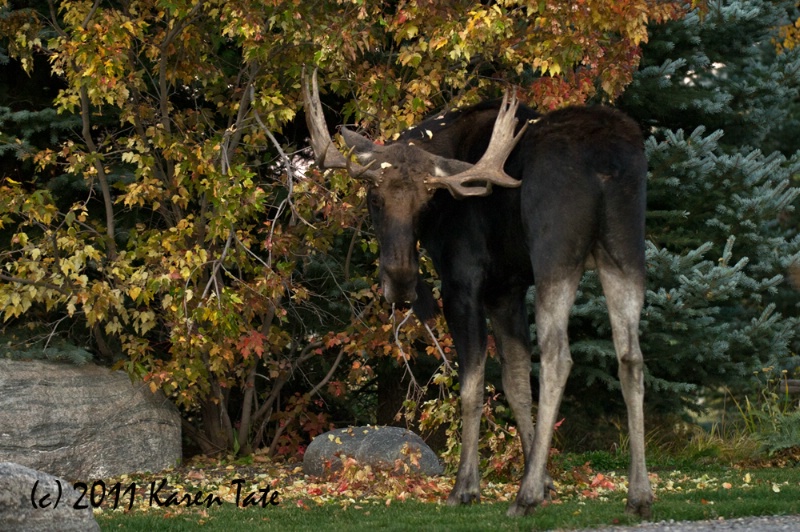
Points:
(375, 201)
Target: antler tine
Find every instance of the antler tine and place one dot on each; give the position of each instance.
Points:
(325, 152)
(489, 169)
(321, 141)
(357, 170)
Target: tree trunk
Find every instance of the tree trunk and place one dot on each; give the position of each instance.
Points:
(217, 435)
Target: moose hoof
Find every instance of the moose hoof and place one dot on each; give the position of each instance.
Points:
(518, 509)
(641, 508)
(458, 499)
(549, 487)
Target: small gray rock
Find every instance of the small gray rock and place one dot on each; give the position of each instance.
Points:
(378, 447)
(17, 511)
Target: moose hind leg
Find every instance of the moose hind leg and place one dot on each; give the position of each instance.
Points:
(624, 293)
(554, 299)
(509, 317)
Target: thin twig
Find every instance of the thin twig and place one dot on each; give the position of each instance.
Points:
(290, 177)
(53, 332)
(328, 376)
(350, 249)
(438, 347)
(400, 346)
(250, 252)
(217, 264)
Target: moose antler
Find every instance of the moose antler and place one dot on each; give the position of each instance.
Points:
(325, 152)
(489, 169)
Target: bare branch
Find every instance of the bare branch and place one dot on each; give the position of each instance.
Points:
(245, 102)
(250, 391)
(40, 284)
(108, 203)
(350, 249)
(54, 19)
(438, 347)
(90, 14)
(217, 264)
(400, 346)
(328, 376)
(306, 353)
(290, 178)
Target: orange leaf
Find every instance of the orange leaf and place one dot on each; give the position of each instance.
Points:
(597, 480)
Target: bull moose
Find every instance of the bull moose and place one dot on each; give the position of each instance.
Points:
(499, 197)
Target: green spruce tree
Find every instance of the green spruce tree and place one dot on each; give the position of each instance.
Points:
(717, 100)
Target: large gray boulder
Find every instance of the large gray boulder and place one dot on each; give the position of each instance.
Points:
(378, 447)
(18, 497)
(84, 422)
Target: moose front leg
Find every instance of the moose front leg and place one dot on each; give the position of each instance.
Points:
(467, 322)
(467, 489)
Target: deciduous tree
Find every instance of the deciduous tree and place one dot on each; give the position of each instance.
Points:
(175, 220)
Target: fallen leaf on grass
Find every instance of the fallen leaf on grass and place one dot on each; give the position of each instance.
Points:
(600, 481)
(357, 484)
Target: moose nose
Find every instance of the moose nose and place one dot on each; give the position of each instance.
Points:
(399, 284)
(399, 294)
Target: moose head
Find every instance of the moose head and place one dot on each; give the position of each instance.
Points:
(402, 179)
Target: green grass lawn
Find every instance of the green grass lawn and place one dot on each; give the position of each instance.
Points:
(586, 499)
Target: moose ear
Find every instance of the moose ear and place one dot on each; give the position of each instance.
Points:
(363, 147)
(443, 167)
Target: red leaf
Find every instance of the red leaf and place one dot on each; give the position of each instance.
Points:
(252, 342)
